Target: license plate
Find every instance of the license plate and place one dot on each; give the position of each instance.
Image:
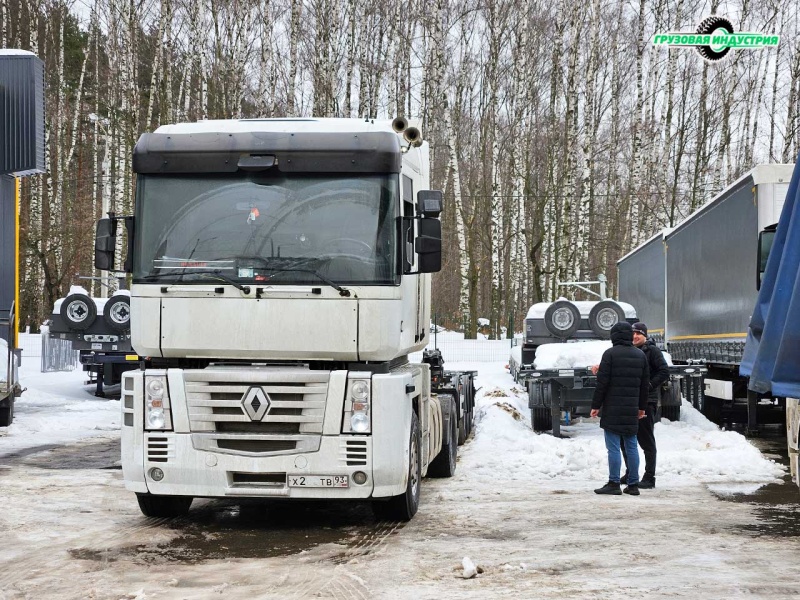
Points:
(318, 481)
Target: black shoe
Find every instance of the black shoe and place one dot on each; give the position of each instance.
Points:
(609, 488)
(647, 483)
(633, 490)
(624, 479)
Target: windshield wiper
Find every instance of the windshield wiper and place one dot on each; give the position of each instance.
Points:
(211, 274)
(342, 291)
(293, 264)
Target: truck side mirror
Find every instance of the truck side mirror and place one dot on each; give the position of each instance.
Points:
(428, 245)
(429, 203)
(765, 239)
(105, 241)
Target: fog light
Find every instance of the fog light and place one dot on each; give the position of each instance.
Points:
(360, 477)
(157, 474)
(155, 418)
(359, 422)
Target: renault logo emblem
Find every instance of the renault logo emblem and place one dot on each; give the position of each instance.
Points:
(255, 403)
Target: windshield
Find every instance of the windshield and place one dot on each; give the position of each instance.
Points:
(253, 227)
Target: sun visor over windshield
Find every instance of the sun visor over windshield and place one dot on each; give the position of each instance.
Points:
(377, 152)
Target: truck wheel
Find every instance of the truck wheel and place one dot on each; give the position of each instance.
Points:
(117, 312)
(461, 429)
(603, 316)
(7, 414)
(163, 506)
(562, 318)
(78, 311)
(404, 506)
(541, 420)
(673, 413)
(444, 465)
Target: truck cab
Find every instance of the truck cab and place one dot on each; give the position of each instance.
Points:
(280, 279)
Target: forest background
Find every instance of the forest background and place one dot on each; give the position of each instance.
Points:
(561, 136)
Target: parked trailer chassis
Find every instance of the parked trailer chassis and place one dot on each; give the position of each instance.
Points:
(552, 392)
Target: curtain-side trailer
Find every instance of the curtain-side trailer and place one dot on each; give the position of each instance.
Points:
(699, 280)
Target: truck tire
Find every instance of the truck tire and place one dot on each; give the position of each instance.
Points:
(78, 311)
(562, 318)
(603, 316)
(117, 312)
(469, 416)
(404, 506)
(444, 465)
(152, 505)
(541, 420)
(7, 414)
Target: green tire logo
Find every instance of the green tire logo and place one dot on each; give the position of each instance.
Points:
(714, 39)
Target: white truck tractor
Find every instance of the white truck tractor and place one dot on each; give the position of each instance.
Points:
(280, 280)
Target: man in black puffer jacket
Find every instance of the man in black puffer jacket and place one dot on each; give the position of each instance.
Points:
(659, 374)
(623, 379)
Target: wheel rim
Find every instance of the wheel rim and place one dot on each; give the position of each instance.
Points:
(78, 311)
(563, 319)
(414, 466)
(120, 313)
(607, 318)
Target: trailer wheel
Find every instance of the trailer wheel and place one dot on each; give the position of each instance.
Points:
(562, 318)
(404, 506)
(7, 414)
(672, 410)
(78, 311)
(152, 505)
(117, 312)
(444, 465)
(603, 316)
(541, 419)
(469, 416)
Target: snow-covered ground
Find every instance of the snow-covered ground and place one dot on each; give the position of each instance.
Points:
(520, 512)
(690, 451)
(56, 408)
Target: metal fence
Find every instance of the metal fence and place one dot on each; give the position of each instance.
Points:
(455, 349)
(52, 354)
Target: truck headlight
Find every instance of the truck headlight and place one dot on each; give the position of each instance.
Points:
(157, 414)
(357, 407)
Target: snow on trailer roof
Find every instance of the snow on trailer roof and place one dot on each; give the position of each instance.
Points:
(584, 307)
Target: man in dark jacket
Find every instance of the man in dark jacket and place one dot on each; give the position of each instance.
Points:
(659, 374)
(623, 379)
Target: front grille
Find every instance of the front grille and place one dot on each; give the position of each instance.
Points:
(159, 449)
(256, 411)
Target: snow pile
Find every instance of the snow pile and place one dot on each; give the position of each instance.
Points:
(573, 355)
(689, 452)
(570, 355)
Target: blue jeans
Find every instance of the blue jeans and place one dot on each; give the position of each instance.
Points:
(615, 458)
